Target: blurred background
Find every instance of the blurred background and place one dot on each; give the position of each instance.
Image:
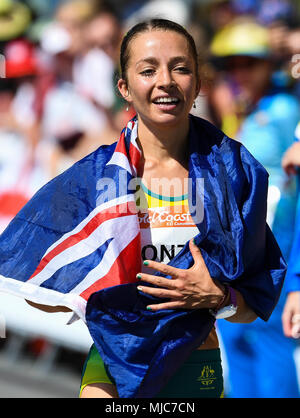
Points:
(58, 102)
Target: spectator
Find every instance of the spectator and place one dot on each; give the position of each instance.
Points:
(291, 312)
(20, 175)
(94, 71)
(70, 121)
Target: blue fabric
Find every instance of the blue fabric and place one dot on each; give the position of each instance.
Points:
(143, 349)
(237, 246)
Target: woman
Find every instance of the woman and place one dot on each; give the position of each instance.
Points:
(160, 79)
(80, 241)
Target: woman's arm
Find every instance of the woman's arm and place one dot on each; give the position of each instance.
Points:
(46, 308)
(244, 314)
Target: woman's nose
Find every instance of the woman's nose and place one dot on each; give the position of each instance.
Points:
(165, 78)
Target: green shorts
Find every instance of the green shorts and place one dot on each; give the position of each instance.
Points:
(200, 376)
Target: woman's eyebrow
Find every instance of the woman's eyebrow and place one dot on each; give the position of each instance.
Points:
(182, 58)
(149, 60)
(173, 60)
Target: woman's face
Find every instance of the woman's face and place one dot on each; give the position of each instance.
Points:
(162, 79)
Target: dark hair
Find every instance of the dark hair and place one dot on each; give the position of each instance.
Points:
(148, 25)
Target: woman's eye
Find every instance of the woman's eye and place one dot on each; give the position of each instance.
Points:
(182, 69)
(148, 72)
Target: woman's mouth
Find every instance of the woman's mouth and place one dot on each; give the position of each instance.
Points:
(166, 103)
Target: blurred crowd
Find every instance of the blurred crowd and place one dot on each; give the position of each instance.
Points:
(59, 102)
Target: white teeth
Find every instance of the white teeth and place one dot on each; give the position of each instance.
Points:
(167, 100)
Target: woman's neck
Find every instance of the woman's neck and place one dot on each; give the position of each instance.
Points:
(163, 144)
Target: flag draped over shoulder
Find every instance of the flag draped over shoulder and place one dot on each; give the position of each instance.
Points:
(77, 244)
(69, 240)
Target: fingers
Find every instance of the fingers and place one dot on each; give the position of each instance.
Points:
(291, 315)
(160, 293)
(182, 288)
(291, 324)
(296, 326)
(196, 253)
(166, 290)
(173, 271)
(157, 280)
(162, 268)
(287, 324)
(177, 304)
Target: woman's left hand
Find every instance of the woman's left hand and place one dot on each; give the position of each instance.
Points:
(188, 289)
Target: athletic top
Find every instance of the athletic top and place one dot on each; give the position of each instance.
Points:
(166, 225)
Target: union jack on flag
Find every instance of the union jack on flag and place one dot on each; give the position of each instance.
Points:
(71, 246)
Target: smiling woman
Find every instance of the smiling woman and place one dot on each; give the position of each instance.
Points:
(151, 287)
(160, 78)
(208, 272)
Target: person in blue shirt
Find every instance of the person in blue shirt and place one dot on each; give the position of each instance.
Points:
(260, 357)
(291, 313)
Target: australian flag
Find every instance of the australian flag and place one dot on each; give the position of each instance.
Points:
(76, 243)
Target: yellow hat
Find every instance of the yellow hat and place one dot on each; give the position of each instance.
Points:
(15, 18)
(5, 6)
(241, 37)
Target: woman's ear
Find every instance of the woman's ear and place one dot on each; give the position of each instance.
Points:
(123, 89)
